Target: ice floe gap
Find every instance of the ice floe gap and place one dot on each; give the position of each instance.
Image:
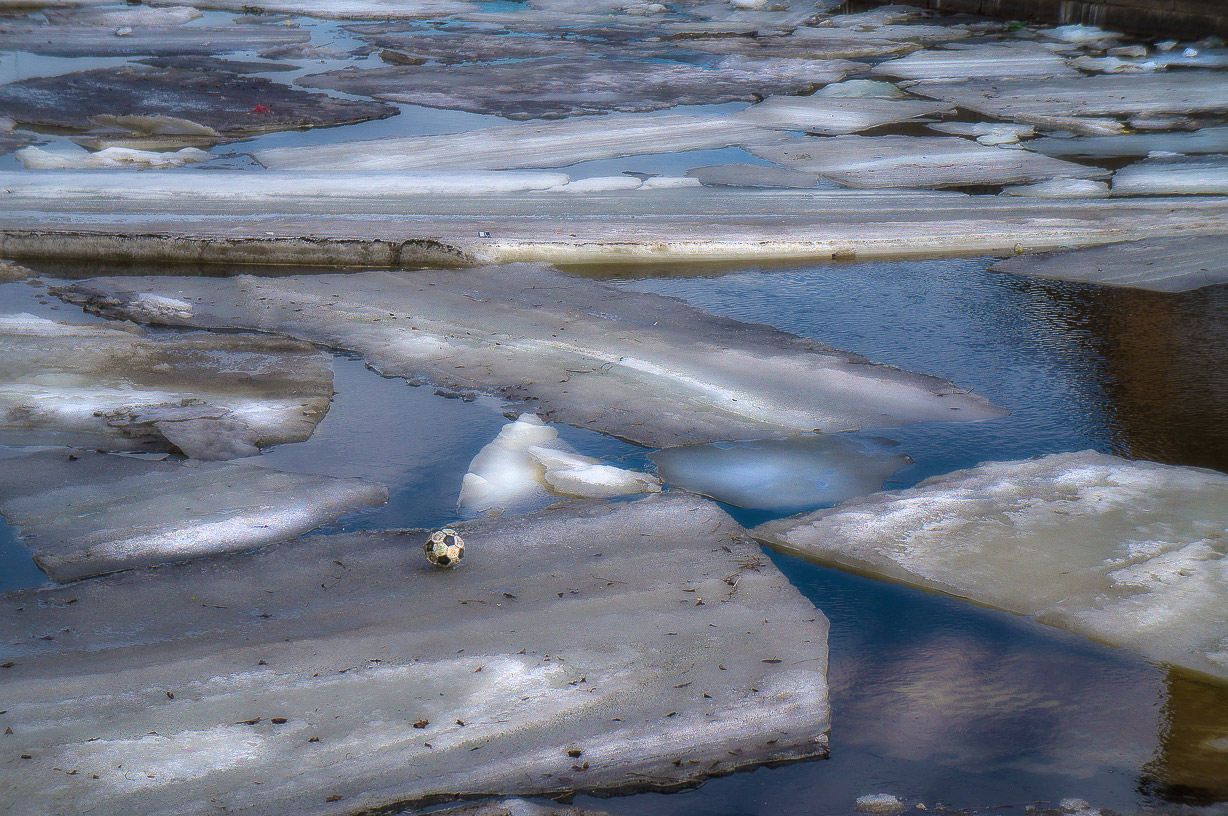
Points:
(803, 472)
(85, 514)
(527, 466)
(1133, 554)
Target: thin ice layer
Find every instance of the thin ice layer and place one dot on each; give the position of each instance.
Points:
(556, 88)
(807, 471)
(345, 674)
(639, 366)
(1129, 553)
(85, 514)
(917, 161)
(1157, 264)
(121, 389)
(525, 145)
(230, 104)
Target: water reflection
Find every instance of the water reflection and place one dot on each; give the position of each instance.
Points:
(1191, 763)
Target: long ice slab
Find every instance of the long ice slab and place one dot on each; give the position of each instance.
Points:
(643, 367)
(835, 115)
(209, 396)
(1158, 264)
(85, 514)
(344, 674)
(1129, 553)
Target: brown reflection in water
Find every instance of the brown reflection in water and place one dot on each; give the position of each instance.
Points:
(1191, 763)
(1164, 371)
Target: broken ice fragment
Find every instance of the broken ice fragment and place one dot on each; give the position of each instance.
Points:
(639, 366)
(1206, 140)
(86, 514)
(583, 477)
(131, 16)
(752, 175)
(352, 639)
(884, 803)
(834, 115)
(1129, 553)
(991, 61)
(916, 161)
(806, 471)
(1157, 264)
(162, 39)
(229, 104)
(1061, 188)
(1174, 176)
(105, 386)
(556, 88)
(36, 158)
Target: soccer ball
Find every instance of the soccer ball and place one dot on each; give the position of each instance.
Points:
(445, 548)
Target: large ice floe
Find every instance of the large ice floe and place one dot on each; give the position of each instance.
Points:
(209, 396)
(1132, 554)
(84, 514)
(602, 647)
(555, 88)
(230, 104)
(1158, 264)
(917, 161)
(143, 40)
(527, 464)
(642, 367)
(806, 471)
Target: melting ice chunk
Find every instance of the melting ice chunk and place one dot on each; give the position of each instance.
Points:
(1132, 554)
(527, 461)
(806, 471)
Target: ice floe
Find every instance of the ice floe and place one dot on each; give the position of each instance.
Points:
(569, 654)
(834, 115)
(92, 40)
(348, 9)
(1128, 553)
(526, 461)
(1088, 105)
(1205, 175)
(639, 366)
(132, 16)
(806, 471)
(525, 145)
(556, 88)
(231, 104)
(752, 175)
(209, 396)
(1061, 188)
(989, 60)
(85, 514)
(1158, 264)
(916, 161)
(1204, 140)
(36, 158)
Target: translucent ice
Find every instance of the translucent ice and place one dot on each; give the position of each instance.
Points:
(86, 514)
(345, 674)
(806, 471)
(639, 366)
(1129, 553)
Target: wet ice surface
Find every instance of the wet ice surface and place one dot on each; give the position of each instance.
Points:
(779, 474)
(1128, 553)
(84, 514)
(1174, 265)
(323, 669)
(119, 389)
(639, 367)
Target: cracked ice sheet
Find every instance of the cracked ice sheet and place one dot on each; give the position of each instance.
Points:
(1087, 105)
(104, 386)
(230, 104)
(144, 40)
(917, 161)
(524, 145)
(1159, 264)
(1132, 554)
(85, 514)
(641, 367)
(834, 115)
(573, 629)
(557, 88)
(990, 60)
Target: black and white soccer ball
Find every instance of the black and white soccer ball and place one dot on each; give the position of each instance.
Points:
(445, 548)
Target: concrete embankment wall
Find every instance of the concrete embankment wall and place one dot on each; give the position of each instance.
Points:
(1169, 18)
